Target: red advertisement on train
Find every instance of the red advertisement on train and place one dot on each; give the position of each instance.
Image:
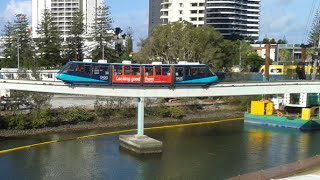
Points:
(126, 74)
(157, 74)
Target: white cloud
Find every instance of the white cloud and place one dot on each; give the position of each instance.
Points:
(17, 7)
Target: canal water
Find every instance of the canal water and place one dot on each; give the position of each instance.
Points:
(215, 151)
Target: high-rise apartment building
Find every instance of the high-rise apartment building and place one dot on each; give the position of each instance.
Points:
(62, 12)
(229, 17)
(183, 10)
(234, 17)
(154, 13)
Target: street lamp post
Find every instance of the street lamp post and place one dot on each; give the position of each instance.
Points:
(103, 51)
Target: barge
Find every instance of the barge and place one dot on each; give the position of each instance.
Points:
(299, 111)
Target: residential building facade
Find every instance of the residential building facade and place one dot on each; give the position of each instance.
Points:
(234, 17)
(154, 14)
(62, 12)
(229, 17)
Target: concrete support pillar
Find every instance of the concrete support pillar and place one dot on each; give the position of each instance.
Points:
(140, 116)
(140, 143)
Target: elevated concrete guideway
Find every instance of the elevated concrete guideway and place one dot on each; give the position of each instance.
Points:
(219, 89)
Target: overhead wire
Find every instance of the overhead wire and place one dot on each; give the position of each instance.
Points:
(310, 16)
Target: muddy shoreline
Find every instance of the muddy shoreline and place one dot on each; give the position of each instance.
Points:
(209, 113)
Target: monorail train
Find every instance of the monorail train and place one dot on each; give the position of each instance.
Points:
(125, 73)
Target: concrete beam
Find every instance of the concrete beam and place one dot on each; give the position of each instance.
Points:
(220, 89)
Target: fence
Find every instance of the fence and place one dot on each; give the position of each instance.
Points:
(280, 171)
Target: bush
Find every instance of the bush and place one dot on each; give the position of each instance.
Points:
(127, 112)
(18, 121)
(177, 112)
(75, 115)
(41, 117)
(173, 112)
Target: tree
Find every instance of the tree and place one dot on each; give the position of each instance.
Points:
(103, 35)
(49, 42)
(266, 41)
(10, 48)
(24, 41)
(273, 41)
(254, 61)
(245, 50)
(181, 41)
(76, 40)
(314, 33)
(129, 40)
(284, 55)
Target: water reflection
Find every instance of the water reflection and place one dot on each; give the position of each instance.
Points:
(214, 151)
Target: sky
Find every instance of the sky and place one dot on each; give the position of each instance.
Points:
(291, 19)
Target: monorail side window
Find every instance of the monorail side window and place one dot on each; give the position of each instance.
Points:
(202, 71)
(95, 70)
(166, 71)
(179, 71)
(157, 70)
(149, 71)
(104, 70)
(127, 70)
(117, 70)
(136, 71)
(187, 71)
(87, 69)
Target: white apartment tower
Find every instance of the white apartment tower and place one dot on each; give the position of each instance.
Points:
(183, 10)
(229, 17)
(62, 12)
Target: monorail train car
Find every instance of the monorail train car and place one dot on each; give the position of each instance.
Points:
(125, 73)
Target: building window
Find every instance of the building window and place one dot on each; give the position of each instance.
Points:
(193, 11)
(180, 19)
(194, 4)
(200, 11)
(193, 19)
(201, 4)
(180, 12)
(181, 4)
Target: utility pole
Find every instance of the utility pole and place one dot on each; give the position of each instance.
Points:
(267, 62)
(18, 52)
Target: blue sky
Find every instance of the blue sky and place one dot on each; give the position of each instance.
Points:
(279, 18)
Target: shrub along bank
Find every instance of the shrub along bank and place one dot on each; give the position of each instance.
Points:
(105, 110)
(46, 117)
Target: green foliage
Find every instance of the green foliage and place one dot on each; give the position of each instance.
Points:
(266, 41)
(75, 40)
(177, 112)
(10, 48)
(284, 55)
(18, 121)
(49, 42)
(101, 35)
(242, 102)
(254, 61)
(40, 117)
(173, 112)
(75, 115)
(314, 33)
(24, 41)
(182, 41)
